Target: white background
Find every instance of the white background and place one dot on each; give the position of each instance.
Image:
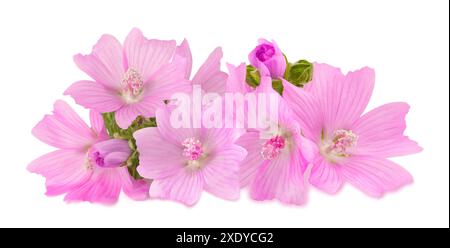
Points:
(407, 43)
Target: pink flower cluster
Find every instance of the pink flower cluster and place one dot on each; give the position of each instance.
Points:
(323, 137)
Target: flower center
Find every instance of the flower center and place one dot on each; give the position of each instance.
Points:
(265, 52)
(132, 85)
(192, 149)
(342, 143)
(272, 148)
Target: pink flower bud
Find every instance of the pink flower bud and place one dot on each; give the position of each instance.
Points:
(268, 59)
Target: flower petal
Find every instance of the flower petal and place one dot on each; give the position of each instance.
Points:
(184, 52)
(63, 169)
(116, 159)
(103, 187)
(173, 135)
(341, 98)
(167, 81)
(306, 110)
(274, 104)
(217, 138)
(280, 178)
(105, 63)
(380, 132)
(158, 157)
(221, 172)
(374, 176)
(137, 190)
(209, 75)
(95, 96)
(112, 145)
(63, 112)
(147, 56)
(326, 176)
(236, 79)
(308, 149)
(185, 187)
(253, 161)
(97, 123)
(64, 129)
(127, 114)
(216, 83)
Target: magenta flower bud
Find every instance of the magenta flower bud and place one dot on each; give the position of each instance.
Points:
(110, 153)
(268, 59)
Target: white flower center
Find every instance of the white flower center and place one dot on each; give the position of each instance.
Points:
(273, 147)
(340, 145)
(194, 153)
(132, 86)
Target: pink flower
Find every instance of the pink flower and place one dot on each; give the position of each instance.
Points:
(132, 80)
(184, 161)
(268, 59)
(276, 160)
(209, 75)
(351, 147)
(86, 166)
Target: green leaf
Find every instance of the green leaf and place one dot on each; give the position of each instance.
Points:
(300, 73)
(252, 77)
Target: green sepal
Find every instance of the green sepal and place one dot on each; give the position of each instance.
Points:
(277, 85)
(253, 78)
(299, 73)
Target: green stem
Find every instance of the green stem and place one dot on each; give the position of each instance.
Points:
(110, 124)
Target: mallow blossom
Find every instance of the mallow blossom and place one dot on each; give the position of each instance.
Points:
(130, 80)
(351, 146)
(277, 159)
(88, 166)
(268, 59)
(185, 161)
